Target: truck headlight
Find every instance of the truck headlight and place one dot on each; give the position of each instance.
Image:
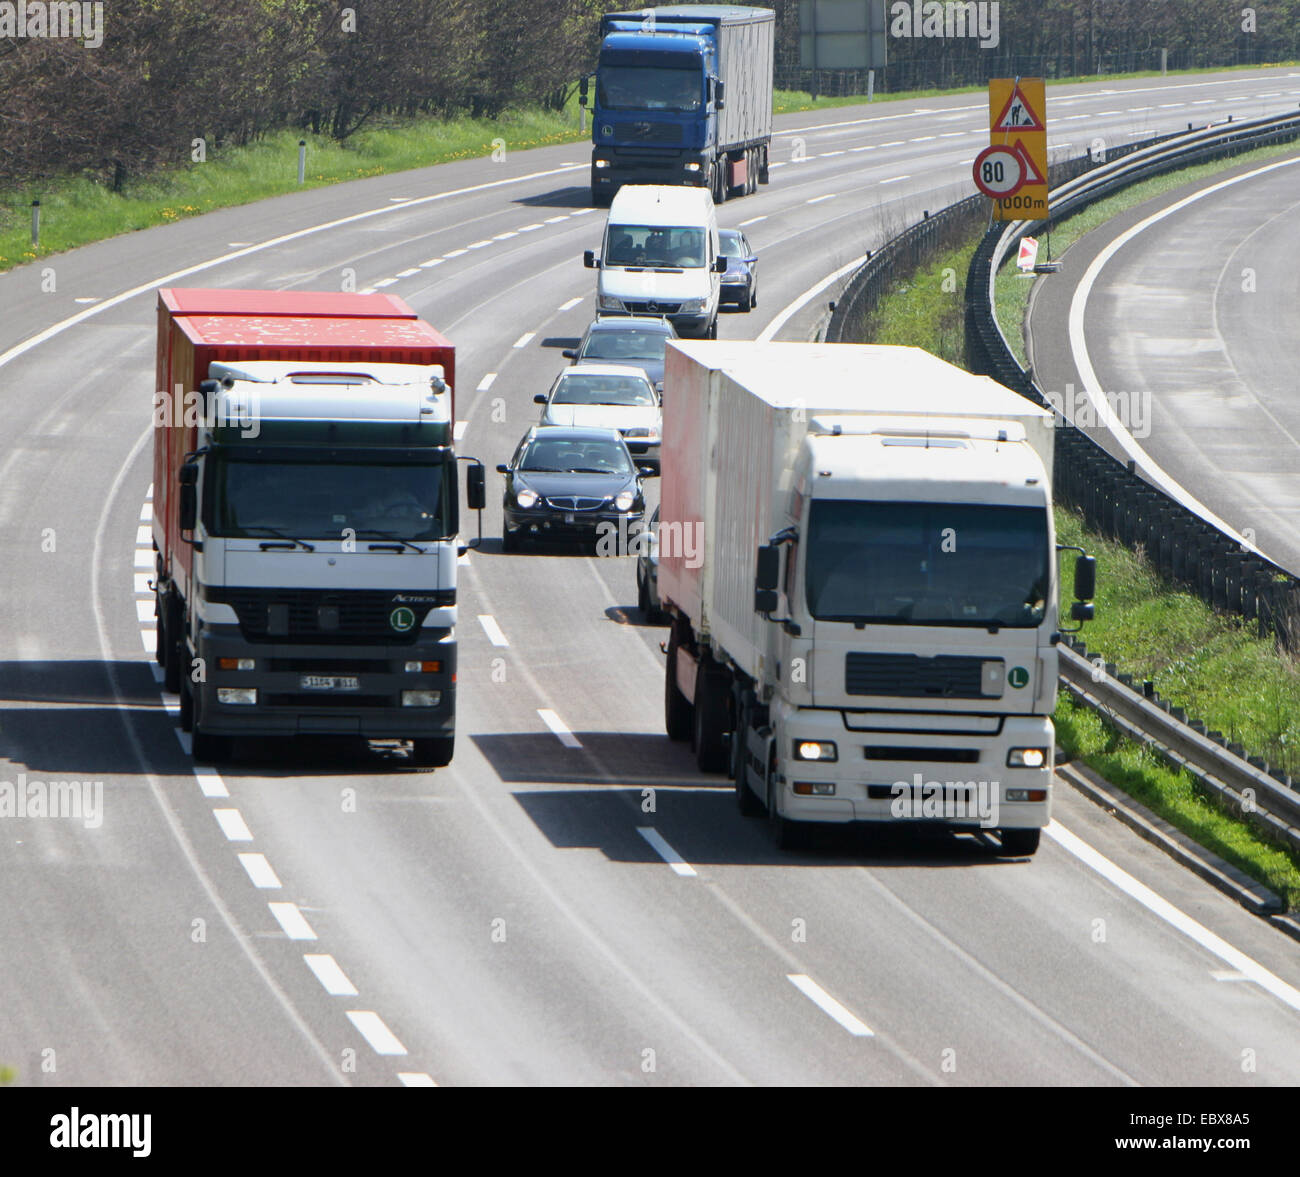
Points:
(823, 750)
(245, 695)
(421, 698)
(526, 498)
(1027, 757)
(600, 163)
(236, 664)
(625, 500)
(1025, 795)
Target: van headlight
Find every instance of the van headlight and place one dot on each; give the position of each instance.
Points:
(693, 306)
(607, 302)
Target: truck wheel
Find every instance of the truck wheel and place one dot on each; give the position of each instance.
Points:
(433, 752)
(719, 184)
(746, 799)
(169, 642)
(187, 706)
(678, 717)
(785, 833)
(599, 199)
(1019, 843)
(209, 749)
(711, 693)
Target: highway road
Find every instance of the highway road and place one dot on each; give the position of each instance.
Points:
(1181, 315)
(569, 902)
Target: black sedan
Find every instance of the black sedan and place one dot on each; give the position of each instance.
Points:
(740, 282)
(572, 483)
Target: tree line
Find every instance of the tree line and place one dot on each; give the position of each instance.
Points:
(168, 71)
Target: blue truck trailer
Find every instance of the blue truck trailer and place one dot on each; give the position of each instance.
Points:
(683, 96)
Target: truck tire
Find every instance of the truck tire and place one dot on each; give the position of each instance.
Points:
(712, 690)
(1019, 843)
(599, 199)
(679, 719)
(169, 642)
(746, 799)
(433, 752)
(719, 183)
(186, 716)
(210, 749)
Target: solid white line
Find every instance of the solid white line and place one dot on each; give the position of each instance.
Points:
(568, 306)
(492, 629)
(232, 825)
(416, 1079)
(486, 382)
(553, 721)
(293, 922)
(525, 339)
(812, 292)
(1088, 375)
(1166, 911)
(329, 974)
(458, 430)
(752, 221)
(381, 1038)
(260, 871)
(667, 853)
(828, 1005)
(210, 782)
(408, 273)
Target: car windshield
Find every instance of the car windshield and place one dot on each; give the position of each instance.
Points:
(326, 500)
(730, 245)
(654, 245)
(626, 344)
(575, 456)
(927, 563)
(626, 87)
(581, 389)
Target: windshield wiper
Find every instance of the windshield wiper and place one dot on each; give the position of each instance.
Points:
(389, 535)
(276, 531)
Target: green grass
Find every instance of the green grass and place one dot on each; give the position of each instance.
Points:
(75, 210)
(1212, 664)
(1012, 289)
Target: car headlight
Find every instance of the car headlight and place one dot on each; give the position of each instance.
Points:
(526, 498)
(823, 750)
(1027, 757)
(607, 302)
(624, 500)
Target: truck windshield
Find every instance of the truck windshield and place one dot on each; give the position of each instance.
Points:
(927, 563)
(629, 87)
(311, 499)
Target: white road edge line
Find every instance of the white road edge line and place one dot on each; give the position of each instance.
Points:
(783, 316)
(667, 853)
(1162, 908)
(556, 724)
(828, 1005)
(1088, 375)
(382, 1040)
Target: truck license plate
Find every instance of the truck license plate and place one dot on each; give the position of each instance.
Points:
(330, 682)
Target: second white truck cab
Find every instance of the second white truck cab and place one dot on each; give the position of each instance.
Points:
(661, 256)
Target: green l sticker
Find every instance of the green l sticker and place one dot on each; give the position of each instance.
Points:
(1018, 676)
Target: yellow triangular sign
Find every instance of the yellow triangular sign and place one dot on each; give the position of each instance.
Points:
(1018, 115)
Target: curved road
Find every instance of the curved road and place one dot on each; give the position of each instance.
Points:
(569, 902)
(1182, 315)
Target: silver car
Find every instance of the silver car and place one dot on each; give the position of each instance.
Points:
(647, 574)
(608, 396)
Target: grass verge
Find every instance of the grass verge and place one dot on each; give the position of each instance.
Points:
(1213, 664)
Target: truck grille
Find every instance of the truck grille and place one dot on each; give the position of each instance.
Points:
(325, 616)
(648, 132)
(907, 676)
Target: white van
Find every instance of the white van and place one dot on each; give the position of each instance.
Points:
(661, 257)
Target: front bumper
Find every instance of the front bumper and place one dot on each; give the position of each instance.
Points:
(286, 706)
(544, 522)
(913, 788)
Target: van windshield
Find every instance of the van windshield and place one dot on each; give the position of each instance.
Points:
(656, 246)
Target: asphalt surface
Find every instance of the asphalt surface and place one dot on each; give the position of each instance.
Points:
(509, 919)
(1181, 314)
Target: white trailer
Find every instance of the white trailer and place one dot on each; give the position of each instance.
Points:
(857, 553)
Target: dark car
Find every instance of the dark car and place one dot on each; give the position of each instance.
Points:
(638, 340)
(571, 483)
(740, 282)
(647, 573)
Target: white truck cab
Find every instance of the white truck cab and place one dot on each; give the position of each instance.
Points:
(661, 256)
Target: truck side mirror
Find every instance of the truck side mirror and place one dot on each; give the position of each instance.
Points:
(475, 488)
(590, 260)
(720, 265)
(719, 93)
(1085, 578)
(767, 576)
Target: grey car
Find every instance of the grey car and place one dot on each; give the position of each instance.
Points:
(647, 574)
(638, 340)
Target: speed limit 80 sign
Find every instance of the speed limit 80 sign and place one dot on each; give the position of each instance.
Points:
(999, 171)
